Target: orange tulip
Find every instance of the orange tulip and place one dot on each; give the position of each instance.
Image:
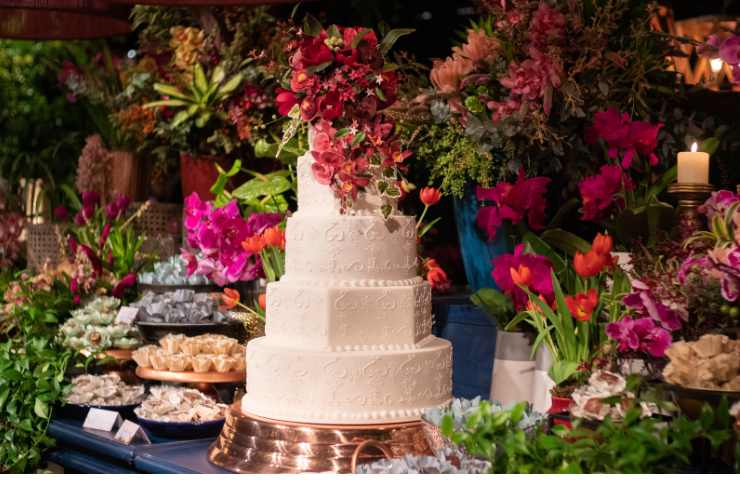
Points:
(588, 264)
(274, 237)
(533, 307)
(582, 305)
(430, 196)
(262, 301)
(521, 276)
(602, 244)
(230, 298)
(254, 244)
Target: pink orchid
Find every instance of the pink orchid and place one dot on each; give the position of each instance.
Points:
(539, 266)
(718, 203)
(642, 302)
(624, 137)
(513, 202)
(598, 192)
(640, 334)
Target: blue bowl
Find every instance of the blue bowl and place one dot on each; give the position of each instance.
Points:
(182, 430)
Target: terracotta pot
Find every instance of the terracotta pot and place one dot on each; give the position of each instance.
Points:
(124, 169)
(198, 174)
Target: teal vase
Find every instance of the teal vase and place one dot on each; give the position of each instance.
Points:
(477, 252)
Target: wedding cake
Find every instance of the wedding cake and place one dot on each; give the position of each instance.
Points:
(348, 334)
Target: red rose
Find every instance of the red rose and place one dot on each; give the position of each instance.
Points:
(301, 81)
(349, 34)
(285, 101)
(330, 107)
(313, 51)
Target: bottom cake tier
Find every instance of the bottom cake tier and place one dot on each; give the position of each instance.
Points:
(356, 387)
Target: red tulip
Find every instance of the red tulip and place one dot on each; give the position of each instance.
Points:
(262, 301)
(430, 196)
(274, 237)
(582, 305)
(230, 298)
(588, 264)
(254, 244)
(602, 244)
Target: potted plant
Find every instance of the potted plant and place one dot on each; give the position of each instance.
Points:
(569, 322)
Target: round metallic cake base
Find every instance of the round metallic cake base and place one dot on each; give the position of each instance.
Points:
(252, 444)
(191, 377)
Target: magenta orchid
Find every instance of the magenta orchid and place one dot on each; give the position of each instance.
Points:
(600, 192)
(513, 202)
(539, 266)
(624, 137)
(640, 335)
(217, 234)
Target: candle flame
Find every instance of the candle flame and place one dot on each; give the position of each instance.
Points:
(694, 147)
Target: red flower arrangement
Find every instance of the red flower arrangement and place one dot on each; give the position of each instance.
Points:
(339, 85)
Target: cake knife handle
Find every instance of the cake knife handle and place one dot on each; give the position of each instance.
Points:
(385, 449)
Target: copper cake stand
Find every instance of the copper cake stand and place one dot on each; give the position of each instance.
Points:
(191, 377)
(252, 444)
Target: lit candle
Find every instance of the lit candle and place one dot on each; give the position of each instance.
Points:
(693, 166)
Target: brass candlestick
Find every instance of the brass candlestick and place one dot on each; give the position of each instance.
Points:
(690, 197)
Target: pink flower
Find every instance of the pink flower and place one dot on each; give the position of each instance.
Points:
(547, 26)
(513, 202)
(641, 335)
(90, 199)
(718, 203)
(478, 47)
(127, 281)
(446, 75)
(598, 192)
(330, 107)
(539, 266)
(642, 302)
(61, 213)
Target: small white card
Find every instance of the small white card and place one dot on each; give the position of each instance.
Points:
(100, 419)
(126, 315)
(131, 431)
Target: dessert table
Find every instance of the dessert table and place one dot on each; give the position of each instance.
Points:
(87, 451)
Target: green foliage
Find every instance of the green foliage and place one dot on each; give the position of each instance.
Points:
(496, 305)
(633, 445)
(263, 193)
(32, 368)
(41, 133)
(454, 159)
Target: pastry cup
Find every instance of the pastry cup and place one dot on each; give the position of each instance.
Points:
(158, 359)
(178, 362)
(223, 363)
(202, 363)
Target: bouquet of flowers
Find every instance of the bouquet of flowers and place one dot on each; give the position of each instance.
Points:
(218, 235)
(104, 248)
(519, 88)
(339, 85)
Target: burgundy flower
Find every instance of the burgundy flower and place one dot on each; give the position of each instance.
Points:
(61, 213)
(90, 199)
(329, 106)
(128, 281)
(598, 192)
(513, 203)
(308, 109)
(312, 51)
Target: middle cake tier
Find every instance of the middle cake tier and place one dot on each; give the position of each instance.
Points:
(334, 247)
(349, 315)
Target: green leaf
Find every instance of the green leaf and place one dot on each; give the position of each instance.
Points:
(360, 37)
(166, 103)
(71, 195)
(218, 75)
(565, 241)
(709, 145)
(229, 87)
(200, 83)
(202, 119)
(358, 139)
(256, 187)
(181, 117)
(542, 248)
(392, 37)
(496, 305)
(379, 93)
(386, 210)
(562, 371)
(41, 408)
(311, 26)
(171, 91)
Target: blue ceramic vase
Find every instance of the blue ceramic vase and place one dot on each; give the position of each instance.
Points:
(477, 252)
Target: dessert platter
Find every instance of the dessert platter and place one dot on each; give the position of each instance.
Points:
(348, 351)
(205, 358)
(107, 391)
(179, 412)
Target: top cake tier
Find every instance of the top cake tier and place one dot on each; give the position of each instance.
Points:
(317, 199)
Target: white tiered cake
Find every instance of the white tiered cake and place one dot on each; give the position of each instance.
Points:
(348, 336)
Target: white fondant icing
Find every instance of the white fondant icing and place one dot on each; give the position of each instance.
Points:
(348, 335)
